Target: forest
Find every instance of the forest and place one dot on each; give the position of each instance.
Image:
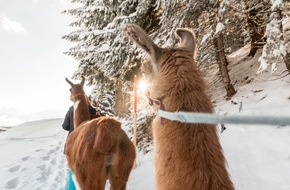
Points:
(109, 62)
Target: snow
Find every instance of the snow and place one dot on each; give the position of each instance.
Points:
(32, 156)
(207, 36)
(6, 120)
(259, 156)
(220, 27)
(104, 47)
(276, 4)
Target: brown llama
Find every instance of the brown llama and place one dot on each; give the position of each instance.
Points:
(97, 149)
(187, 156)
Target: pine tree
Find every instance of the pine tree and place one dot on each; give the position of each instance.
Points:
(275, 49)
(104, 56)
(257, 15)
(109, 61)
(213, 31)
(105, 102)
(218, 41)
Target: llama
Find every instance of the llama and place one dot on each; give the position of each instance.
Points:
(97, 149)
(187, 156)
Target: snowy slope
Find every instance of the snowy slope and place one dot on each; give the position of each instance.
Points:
(259, 156)
(31, 156)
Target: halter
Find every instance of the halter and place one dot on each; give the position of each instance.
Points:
(158, 101)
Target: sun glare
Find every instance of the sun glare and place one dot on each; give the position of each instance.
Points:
(142, 86)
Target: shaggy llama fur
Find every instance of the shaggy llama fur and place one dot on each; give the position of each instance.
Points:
(97, 149)
(187, 156)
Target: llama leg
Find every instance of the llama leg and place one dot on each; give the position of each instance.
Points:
(92, 180)
(117, 183)
(118, 180)
(99, 177)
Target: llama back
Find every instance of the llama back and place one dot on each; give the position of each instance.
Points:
(126, 151)
(112, 139)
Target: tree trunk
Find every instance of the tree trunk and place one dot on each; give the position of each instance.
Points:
(223, 63)
(287, 60)
(254, 35)
(121, 109)
(286, 57)
(256, 27)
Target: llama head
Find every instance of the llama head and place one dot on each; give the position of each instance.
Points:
(76, 88)
(158, 55)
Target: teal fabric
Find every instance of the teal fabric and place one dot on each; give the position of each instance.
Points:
(71, 184)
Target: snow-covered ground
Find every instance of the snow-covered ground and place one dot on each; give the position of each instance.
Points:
(32, 156)
(258, 156)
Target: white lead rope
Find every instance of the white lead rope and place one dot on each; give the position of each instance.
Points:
(190, 117)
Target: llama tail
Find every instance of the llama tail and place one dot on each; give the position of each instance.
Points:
(108, 130)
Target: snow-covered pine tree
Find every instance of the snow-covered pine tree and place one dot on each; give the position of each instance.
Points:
(285, 38)
(257, 12)
(212, 49)
(105, 101)
(275, 50)
(218, 42)
(104, 56)
(175, 14)
(100, 43)
(234, 19)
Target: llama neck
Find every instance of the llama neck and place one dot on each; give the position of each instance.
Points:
(81, 111)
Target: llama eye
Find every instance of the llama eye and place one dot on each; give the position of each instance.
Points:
(70, 89)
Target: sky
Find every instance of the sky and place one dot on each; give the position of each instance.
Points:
(32, 64)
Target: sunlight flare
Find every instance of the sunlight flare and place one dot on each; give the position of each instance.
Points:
(142, 86)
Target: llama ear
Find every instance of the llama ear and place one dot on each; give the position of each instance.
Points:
(68, 81)
(138, 35)
(187, 39)
(83, 81)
